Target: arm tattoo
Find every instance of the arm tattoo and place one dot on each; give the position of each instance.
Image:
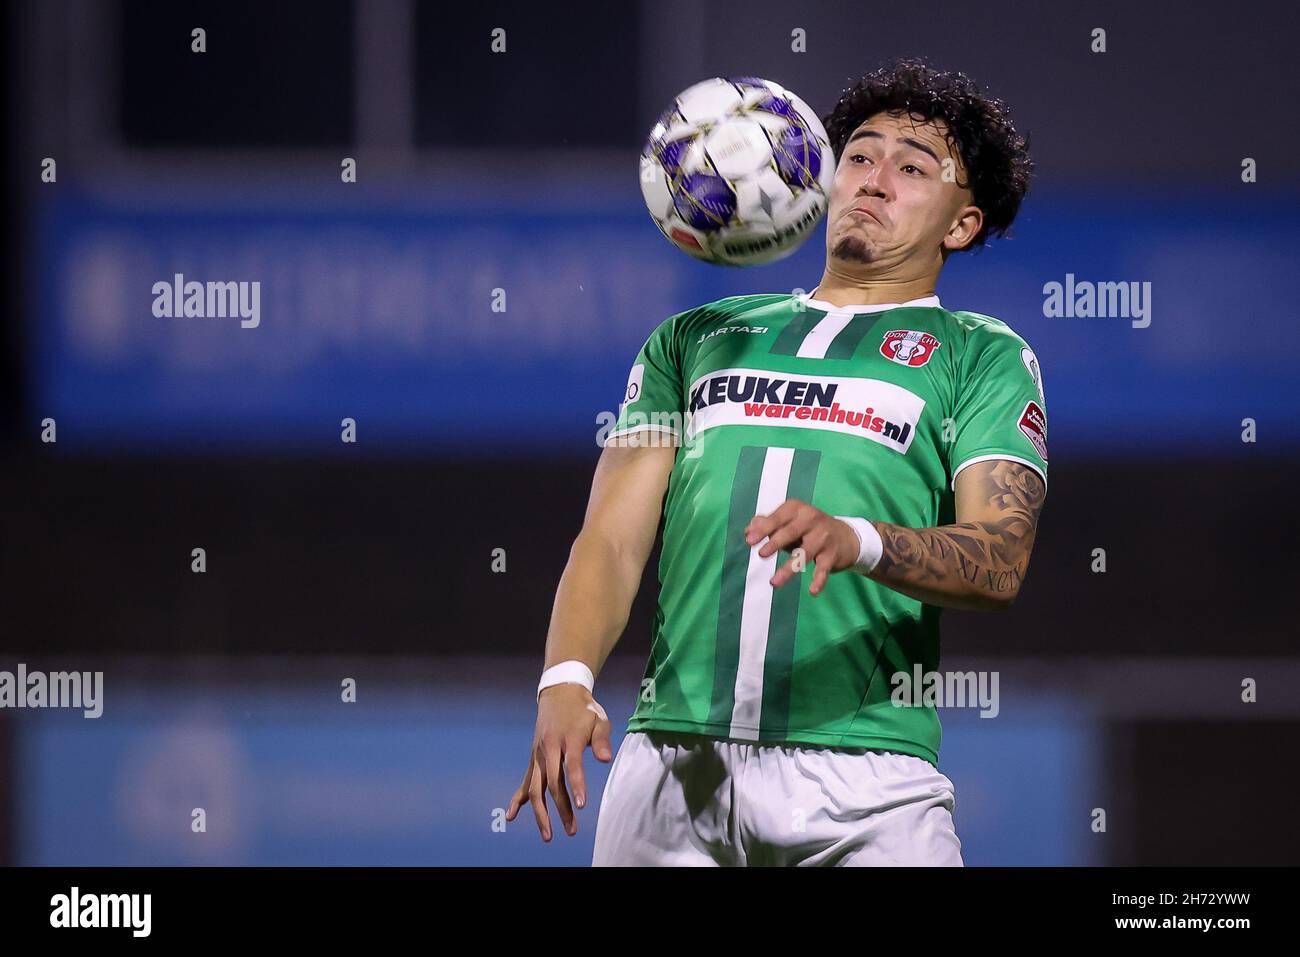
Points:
(982, 560)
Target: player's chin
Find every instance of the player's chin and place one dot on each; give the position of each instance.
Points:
(852, 248)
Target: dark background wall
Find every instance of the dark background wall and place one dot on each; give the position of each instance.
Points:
(309, 556)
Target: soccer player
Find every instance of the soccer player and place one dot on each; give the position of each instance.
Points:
(833, 470)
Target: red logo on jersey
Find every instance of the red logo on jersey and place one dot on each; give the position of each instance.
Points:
(1033, 422)
(908, 347)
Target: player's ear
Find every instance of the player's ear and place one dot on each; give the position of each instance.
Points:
(964, 229)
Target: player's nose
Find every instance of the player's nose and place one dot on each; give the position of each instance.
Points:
(874, 184)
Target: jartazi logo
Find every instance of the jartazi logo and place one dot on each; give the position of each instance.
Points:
(211, 300)
(102, 910)
(723, 330)
(869, 408)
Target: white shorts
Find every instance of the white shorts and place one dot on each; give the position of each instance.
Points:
(685, 800)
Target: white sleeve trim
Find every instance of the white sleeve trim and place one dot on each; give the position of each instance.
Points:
(642, 428)
(999, 455)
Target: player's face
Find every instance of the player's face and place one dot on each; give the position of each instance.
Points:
(895, 199)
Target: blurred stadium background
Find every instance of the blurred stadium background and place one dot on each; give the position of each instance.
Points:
(476, 429)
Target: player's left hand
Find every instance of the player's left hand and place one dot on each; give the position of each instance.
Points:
(823, 540)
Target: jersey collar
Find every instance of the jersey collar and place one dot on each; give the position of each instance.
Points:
(877, 307)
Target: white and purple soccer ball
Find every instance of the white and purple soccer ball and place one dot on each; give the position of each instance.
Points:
(737, 172)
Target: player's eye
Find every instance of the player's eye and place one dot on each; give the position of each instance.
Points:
(856, 156)
(913, 166)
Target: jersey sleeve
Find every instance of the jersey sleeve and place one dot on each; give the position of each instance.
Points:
(654, 400)
(1000, 409)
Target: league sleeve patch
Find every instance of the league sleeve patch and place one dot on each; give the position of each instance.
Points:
(1035, 372)
(1033, 424)
(634, 379)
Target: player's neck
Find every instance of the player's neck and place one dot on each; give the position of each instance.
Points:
(839, 292)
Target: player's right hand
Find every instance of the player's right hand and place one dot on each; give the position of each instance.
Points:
(569, 719)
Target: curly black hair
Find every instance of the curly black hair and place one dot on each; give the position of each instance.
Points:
(979, 129)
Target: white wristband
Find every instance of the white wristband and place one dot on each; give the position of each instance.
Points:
(870, 547)
(567, 672)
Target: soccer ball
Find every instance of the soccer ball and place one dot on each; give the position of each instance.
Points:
(737, 172)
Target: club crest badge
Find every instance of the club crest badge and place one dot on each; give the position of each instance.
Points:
(908, 347)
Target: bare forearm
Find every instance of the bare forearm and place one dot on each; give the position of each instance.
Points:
(592, 602)
(976, 566)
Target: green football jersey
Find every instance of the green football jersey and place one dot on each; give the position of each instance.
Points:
(859, 410)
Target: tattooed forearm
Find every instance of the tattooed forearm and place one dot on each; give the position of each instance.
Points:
(972, 565)
(976, 565)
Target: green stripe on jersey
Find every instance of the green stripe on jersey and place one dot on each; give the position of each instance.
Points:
(792, 336)
(735, 568)
(754, 651)
(778, 664)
